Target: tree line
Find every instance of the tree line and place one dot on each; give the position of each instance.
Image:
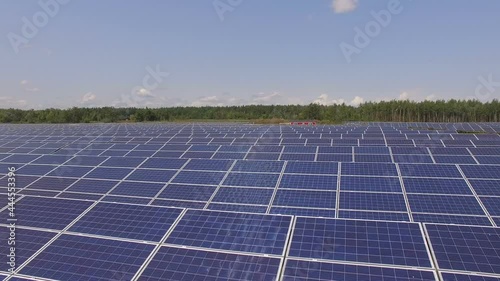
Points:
(383, 111)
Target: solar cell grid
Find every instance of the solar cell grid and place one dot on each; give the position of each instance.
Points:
(369, 169)
(260, 209)
(84, 258)
(196, 177)
(445, 204)
(466, 248)
(323, 182)
(322, 271)
(372, 201)
(360, 241)
(481, 171)
(429, 170)
(208, 165)
(436, 186)
(452, 219)
(142, 189)
(256, 196)
(185, 264)
(464, 277)
(232, 231)
(374, 184)
(251, 179)
(127, 221)
(27, 241)
(108, 173)
(300, 167)
(305, 198)
(151, 175)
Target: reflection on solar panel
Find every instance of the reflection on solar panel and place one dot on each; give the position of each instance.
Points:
(348, 240)
(142, 222)
(358, 191)
(184, 264)
(322, 271)
(240, 232)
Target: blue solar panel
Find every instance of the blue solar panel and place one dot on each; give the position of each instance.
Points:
(48, 213)
(305, 212)
(35, 170)
(209, 165)
(20, 158)
(179, 203)
(464, 277)
(454, 159)
(163, 163)
(429, 170)
(449, 151)
(80, 196)
(376, 184)
(312, 168)
(438, 186)
(322, 271)
(305, 198)
(334, 157)
(234, 148)
(372, 158)
(492, 204)
(84, 258)
(371, 150)
(185, 264)
(237, 208)
(445, 204)
(263, 156)
(108, 173)
(126, 199)
(27, 242)
(299, 149)
(452, 219)
(43, 193)
(251, 179)
(481, 171)
(409, 150)
(125, 162)
(187, 192)
(297, 157)
(241, 195)
(141, 189)
(195, 177)
(142, 222)
(372, 201)
(151, 175)
(369, 169)
(85, 161)
(52, 183)
(341, 150)
(70, 171)
(370, 215)
(205, 155)
(258, 166)
(466, 248)
(92, 186)
(360, 241)
(232, 231)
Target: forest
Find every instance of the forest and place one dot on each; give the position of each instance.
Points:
(383, 111)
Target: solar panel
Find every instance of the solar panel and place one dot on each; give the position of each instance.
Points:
(163, 163)
(260, 209)
(92, 186)
(143, 189)
(464, 277)
(323, 182)
(251, 179)
(323, 271)
(369, 169)
(47, 213)
(187, 264)
(208, 165)
(263, 156)
(454, 159)
(372, 201)
(72, 257)
(486, 187)
(187, 192)
(125, 162)
(300, 167)
(108, 173)
(305, 212)
(52, 183)
(445, 204)
(481, 171)
(80, 196)
(126, 199)
(178, 203)
(452, 219)
(492, 204)
(27, 242)
(375, 184)
(305, 198)
(373, 242)
(241, 232)
(35, 170)
(371, 215)
(466, 248)
(195, 177)
(243, 195)
(429, 170)
(436, 186)
(151, 175)
(142, 222)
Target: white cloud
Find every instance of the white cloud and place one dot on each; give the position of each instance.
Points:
(32, 89)
(208, 101)
(357, 101)
(324, 100)
(24, 82)
(431, 97)
(144, 92)
(344, 6)
(263, 98)
(88, 97)
(10, 102)
(404, 96)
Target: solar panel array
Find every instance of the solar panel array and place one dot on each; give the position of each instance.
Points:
(376, 201)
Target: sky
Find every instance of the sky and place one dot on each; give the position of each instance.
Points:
(65, 53)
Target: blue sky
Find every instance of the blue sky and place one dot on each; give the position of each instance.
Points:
(224, 52)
